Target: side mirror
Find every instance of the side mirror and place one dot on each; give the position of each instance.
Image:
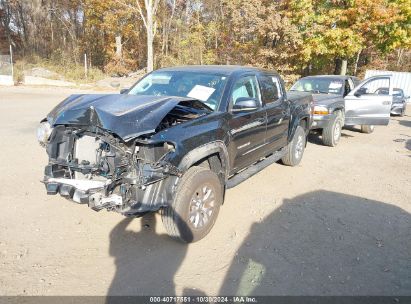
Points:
(360, 91)
(245, 104)
(123, 91)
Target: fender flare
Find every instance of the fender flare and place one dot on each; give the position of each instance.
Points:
(341, 109)
(296, 122)
(195, 155)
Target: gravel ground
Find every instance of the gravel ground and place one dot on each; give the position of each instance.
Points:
(338, 224)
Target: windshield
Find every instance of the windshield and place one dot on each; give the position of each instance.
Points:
(206, 87)
(319, 85)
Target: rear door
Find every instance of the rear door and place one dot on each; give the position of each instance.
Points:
(370, 102)
(246, 128)
(278, 111)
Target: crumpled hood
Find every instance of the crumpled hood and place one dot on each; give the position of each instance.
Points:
(128, 116)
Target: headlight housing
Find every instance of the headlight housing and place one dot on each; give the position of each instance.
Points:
(43, 133)
(168, 146)
(320, 110)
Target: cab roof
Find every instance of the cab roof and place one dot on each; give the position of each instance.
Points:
(342, 77)
(220, 69)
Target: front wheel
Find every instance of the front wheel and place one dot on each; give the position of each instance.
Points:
(295, 149)
(195, 207)
(332, 132)
(367, 129)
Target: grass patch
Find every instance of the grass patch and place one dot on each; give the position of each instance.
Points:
(65, 69)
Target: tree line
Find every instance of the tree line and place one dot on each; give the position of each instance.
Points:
(295, 37)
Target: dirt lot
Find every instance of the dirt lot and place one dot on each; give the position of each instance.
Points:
(338, 224)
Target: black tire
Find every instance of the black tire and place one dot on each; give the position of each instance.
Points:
(176, 217)
(332, 132)
(367, 129)
(297, 143)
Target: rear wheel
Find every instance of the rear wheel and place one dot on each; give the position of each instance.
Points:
(332, 132)
(295, 149)
(367, 129)
(195, 207)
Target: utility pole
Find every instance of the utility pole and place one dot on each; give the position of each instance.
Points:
(85, 65)
(11, 62)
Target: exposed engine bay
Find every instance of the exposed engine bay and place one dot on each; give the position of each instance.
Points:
(179, 114)
(93, 166)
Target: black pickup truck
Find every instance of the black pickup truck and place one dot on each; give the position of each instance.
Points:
(173, 142)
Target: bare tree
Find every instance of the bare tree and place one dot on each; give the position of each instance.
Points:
(148, 17)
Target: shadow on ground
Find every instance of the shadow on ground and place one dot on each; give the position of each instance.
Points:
(146, 262)
(314, 137)
(356, 129)
(405, 123)
(319, 243)
(325, 243)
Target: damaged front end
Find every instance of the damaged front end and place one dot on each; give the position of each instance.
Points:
(98, 169)
(100, 153)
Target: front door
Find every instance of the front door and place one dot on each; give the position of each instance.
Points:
(370, 102)
(247, 128)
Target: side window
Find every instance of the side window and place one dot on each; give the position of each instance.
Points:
(376, 86)
(270, 89)
(351, 84)
(354, 81)
(382, 91)
(245, 87)
(347, 88)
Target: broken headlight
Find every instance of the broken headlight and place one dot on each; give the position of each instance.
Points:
(43, 133)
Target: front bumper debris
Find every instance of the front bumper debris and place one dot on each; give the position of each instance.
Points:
(91, 192)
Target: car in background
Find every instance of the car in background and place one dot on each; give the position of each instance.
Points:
(339, 101)
(328, 95)
(399, 103)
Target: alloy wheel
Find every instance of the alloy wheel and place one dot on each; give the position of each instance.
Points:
(202, 206)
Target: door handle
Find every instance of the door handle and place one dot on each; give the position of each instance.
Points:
(386, 102)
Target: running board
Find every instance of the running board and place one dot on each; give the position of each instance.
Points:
(238, 178)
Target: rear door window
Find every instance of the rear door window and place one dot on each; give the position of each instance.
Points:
(270, 88)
